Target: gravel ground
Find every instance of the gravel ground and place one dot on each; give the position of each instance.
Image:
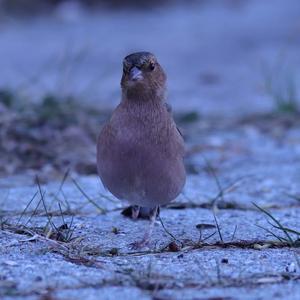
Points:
(216, 243)
(244, 259)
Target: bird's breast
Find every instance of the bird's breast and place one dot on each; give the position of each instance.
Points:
(140, 161)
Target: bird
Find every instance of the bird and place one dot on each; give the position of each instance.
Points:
(140, 151)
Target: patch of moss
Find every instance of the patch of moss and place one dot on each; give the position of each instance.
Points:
(6, 97)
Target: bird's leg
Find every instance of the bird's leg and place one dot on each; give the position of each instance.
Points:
(135, 210)
(146, 238)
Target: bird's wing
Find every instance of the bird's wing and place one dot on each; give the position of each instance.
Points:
(169, 109)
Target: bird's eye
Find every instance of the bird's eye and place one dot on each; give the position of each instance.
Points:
(151, 66)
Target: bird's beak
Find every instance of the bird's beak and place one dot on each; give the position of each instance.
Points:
(135, 74)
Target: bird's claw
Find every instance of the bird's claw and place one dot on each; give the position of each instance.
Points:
(139, 244)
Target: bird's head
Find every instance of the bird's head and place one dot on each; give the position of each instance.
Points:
(143, 77)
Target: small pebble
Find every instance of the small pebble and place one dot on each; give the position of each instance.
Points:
(224, 261)
(291, 268)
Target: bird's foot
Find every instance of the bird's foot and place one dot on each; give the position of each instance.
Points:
(145, 241)
(139, 244)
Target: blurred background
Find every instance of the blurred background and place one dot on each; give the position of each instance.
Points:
(61, 63)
